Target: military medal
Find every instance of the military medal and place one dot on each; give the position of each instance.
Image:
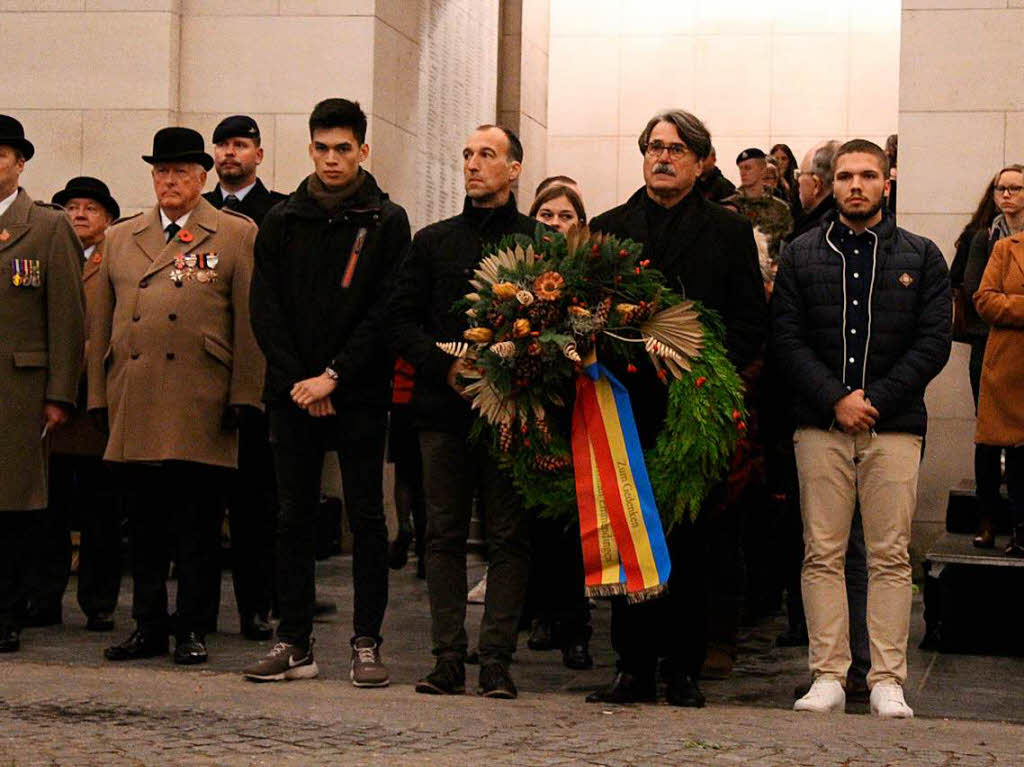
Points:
(203, 276)
(212, 259)
(190, 260)
(16, 277)
(35, 276)
(179, 262)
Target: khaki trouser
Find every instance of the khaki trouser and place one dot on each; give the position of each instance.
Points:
(836, 469)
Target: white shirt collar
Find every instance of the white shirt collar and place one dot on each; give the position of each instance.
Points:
(165, 221)
(7, 202)
(240, 194)
(89, 251)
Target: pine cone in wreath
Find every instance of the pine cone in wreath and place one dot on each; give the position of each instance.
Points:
(601, 313)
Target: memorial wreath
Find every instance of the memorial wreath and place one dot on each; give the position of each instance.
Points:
(544, 315)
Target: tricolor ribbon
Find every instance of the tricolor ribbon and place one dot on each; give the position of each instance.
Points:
(624, 549)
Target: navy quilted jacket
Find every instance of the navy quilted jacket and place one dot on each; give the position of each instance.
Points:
(908, 338)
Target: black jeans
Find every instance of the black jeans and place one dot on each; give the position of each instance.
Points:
(24, 535)
(174, 512)
(251, 514)
(987, 476)
(675, 625)
(556, 592)
(452, 472)
(299, 442)
(84, 488)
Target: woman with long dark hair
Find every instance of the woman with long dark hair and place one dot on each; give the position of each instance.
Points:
(787, 170)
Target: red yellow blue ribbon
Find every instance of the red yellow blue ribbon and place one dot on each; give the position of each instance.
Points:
(624, 550)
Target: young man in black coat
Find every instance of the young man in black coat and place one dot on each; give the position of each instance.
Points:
(252, 504)
(708, 254)
(862, 323)
(323, 260)
(435, 274)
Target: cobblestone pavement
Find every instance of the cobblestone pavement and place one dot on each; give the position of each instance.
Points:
(62, 704)
(145, 717)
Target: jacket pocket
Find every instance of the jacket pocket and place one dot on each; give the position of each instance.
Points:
(31, 359)
(217, 350)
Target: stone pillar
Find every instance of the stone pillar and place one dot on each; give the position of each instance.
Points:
(961, 119)
(523, 86)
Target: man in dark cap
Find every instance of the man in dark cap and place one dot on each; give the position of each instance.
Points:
(237, 152)
(173, 367)
(42, 332)
(252, 506)
(766, 212)
(81, 488)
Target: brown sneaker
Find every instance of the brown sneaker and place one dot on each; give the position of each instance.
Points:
(367, 668)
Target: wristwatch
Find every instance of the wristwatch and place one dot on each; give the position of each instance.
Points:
(331, 373)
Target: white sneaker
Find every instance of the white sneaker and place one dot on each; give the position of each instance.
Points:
(887, 702)
(478, 593)
(826, 696)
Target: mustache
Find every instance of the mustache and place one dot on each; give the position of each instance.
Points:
(664, 167)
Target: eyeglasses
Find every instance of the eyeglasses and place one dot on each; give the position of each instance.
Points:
(675, 151)
(1015, 189)
(798, 174)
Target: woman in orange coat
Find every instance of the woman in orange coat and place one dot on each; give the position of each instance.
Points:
(1000, 302)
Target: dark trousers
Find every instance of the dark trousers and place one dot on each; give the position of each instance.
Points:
(988, 478)
(49, 574)
(857, 600)
(83, 487)
(299, 442)
(174, 511)
(24, 535)
(452, 471)
(404, 453)
(556, 591)
(675, 625)
(252, 509)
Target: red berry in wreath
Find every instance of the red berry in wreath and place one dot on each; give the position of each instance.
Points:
(736, 415)
(623, 253)
(630, 368)
(742, 426)
(700, 382)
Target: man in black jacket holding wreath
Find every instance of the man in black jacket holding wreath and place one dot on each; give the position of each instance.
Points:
(435, 274)
(706, 253)
(323, 260)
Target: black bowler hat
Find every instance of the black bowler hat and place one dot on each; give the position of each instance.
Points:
(90, 188)
(12, 134)
(750, 154)
(236, 126)
(176, 144)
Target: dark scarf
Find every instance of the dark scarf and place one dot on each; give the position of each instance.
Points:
(330, 199)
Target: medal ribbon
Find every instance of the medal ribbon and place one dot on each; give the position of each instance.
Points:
(624, 550)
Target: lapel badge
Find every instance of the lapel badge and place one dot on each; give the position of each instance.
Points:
(906, 280)
(96, 257)
(5, 236)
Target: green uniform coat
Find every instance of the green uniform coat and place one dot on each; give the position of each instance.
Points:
(42, 332)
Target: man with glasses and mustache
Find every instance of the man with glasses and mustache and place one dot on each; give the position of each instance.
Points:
(706, 253)
(862, 321)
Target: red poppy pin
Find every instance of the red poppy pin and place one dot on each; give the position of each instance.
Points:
(5, 236)
(96, 257)
(185, 236)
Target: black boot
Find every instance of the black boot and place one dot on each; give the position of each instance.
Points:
(625, 688)
(986, 535)
(1015, 548)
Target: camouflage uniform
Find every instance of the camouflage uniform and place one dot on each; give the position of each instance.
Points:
(768, 213)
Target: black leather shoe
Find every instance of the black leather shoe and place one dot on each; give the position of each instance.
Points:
(577, 656)
(625, 688)
(190, 649)
(541, 635)
(142, 643)
(256, 627)
(10, 639)
(683, 691)
(39, 616)
(99, 622)
(398, 550)
(495, 682)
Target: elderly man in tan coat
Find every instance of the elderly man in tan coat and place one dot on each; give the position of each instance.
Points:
(172, 367)
(41, 336)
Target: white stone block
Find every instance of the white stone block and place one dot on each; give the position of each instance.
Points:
(809, 84)
(57, 138)
(583, 95)
(961, 60)
(328, 7)
(593, 162)
(586, 18)
(89, 60)
(192, 8)
(1014, 138)
(659, 18)
(656, 73)
(733, 90)
(298, 61)
(946, 158)
(291, 159)
(395, 76)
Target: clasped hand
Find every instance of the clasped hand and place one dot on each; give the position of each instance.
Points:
(854, 413)
(314, 395)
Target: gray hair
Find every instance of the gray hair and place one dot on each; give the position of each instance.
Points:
(689, 127)
(823, 164)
